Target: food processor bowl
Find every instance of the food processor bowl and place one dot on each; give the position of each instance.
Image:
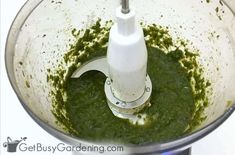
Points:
(41, 34)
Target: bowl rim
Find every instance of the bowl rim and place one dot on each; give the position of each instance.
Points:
(181, 142)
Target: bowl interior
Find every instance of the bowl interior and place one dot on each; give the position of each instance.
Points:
(42, 35)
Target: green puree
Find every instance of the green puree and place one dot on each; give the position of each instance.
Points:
(170, 113)
(177, 102)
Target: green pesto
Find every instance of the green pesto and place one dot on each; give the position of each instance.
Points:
(171, 110)
(177, 102)
(229, 103)
(221, 3)
(27, 84)
(217, 10)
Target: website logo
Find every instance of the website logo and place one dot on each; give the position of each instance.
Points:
(21, 146)
(11, 145)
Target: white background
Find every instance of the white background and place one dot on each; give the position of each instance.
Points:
(16, 123)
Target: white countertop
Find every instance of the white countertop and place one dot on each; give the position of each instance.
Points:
(16, 123)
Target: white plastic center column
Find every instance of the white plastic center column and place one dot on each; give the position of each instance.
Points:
(127, 57)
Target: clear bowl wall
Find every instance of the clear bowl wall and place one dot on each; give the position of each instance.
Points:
(57, 19)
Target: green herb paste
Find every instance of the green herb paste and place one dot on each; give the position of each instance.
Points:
(177, 102)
